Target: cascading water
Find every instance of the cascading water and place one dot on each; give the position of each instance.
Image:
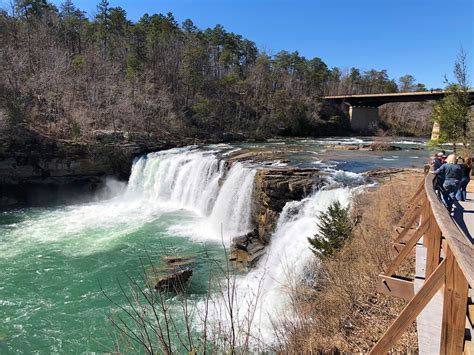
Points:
(263, 294)
(54, 261)
(197, 181)
(233, 207)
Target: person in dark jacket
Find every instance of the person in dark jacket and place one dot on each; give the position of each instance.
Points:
(452, 178)
(466, 167)
(438, 161)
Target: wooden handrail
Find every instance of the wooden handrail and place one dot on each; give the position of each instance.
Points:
(449, 263)
(459, 244)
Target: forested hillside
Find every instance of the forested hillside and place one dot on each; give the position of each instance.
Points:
(66, 74)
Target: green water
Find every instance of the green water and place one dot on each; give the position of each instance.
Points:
(53, 263)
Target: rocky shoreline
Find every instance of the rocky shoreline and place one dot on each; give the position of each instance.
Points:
(37, 170)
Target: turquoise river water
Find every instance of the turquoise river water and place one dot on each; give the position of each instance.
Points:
(56, 262)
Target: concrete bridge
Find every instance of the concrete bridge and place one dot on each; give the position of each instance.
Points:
(363, 109)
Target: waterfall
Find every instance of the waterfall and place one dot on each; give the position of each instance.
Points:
(197, 181)
(232, 209)
(263, 294)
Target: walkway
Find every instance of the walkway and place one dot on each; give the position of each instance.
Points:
(428, 323)
(465, 221)
(440, 294)
(430, 319)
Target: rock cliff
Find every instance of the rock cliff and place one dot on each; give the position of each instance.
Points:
(273, 188)
(36, 170)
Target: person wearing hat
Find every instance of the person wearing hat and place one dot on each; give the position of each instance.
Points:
(437, 163)
(438, 160)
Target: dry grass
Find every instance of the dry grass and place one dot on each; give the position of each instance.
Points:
(345, 313)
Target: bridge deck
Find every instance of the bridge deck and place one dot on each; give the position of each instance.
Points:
(375, 100)
(430, 319)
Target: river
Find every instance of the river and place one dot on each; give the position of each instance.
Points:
(57, 262)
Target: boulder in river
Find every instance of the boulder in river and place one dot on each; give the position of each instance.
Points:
(247, 249)
(176, 280)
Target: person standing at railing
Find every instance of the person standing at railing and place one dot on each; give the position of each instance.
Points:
(466, 167)
(438, 161)
(452, 178)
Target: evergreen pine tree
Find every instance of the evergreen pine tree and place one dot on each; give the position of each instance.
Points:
(452, 112)
(335, 228)
(103, 21)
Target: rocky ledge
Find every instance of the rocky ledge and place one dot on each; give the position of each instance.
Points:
(273, 188)
(372, 147)
(37, 170)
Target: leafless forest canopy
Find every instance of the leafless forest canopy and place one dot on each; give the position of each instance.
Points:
(66, 75)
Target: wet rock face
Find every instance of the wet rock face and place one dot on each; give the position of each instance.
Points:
(176, 280)
(37, 170)
(174, 275)
(275, 187)
(247, 250)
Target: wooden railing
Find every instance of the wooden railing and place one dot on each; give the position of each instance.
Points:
(449, 263)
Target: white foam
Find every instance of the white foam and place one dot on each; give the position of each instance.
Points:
(177, 179)
(287, 256)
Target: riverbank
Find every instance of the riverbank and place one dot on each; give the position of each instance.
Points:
(40, 170)
(37, 170)
(185, 202)
(344, 311)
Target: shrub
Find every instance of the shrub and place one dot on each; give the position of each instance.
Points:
(335, 228)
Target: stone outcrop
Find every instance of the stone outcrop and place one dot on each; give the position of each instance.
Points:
(176, 280)
(174, 275)
(248, 249)
(372, 147)
(37, 170)
(274, 187)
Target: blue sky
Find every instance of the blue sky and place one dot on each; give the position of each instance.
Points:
(419, 37)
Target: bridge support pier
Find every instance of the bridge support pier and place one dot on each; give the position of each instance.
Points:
(435, 132)
(363, 119)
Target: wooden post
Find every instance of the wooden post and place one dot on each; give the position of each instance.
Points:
(433, 247)
(411, 311)
(426, 216)
(454, 307)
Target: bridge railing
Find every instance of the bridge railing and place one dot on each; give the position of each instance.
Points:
(449, 263)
